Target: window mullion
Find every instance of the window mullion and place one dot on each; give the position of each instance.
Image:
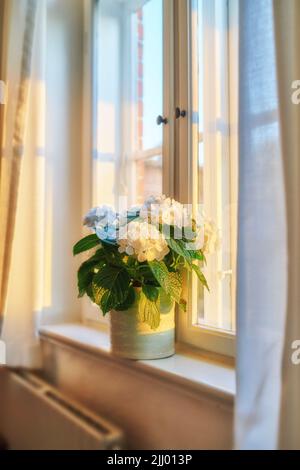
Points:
(168, 97)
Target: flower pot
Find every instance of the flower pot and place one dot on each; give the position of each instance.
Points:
(133, 339)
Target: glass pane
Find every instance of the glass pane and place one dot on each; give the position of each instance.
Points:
(150, 63)
(127, 157)
(147, 83)
(210, 62)
(197, 84)
(107, 149)
(148, 178)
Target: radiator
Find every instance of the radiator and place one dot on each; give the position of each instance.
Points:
(35, 415)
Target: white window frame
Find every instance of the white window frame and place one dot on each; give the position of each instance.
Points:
(206, 337)
(179, 166)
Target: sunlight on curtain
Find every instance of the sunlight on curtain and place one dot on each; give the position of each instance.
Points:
(25, 130)
(288, 68)
(261, 283)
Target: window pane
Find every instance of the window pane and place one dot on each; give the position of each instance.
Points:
(147, 83)
(210, 93)
(148, 178)
(127, 157)
(150, 61)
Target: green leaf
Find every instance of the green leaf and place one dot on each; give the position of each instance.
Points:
(166, 303)
(85, 276)
(90, 293)
(189, 234)
(87, 270)
(151, 292)
(183, 304)
(104, 298)
(200, 275)
(180, 248)
(97, 293)
(108, 302)
(197, 254)
(116, 283)
(169, 281)
(128, 302)
(149, 311)
(86, 243)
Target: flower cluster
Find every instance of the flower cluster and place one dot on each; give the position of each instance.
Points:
(143, 240)
(165, 210)
(137, 233)
(103, 220)
(146, 247)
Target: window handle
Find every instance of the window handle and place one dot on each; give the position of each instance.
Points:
(161, 120)
(222, 274)
(179, 113)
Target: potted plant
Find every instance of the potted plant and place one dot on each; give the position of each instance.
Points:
(135, 271)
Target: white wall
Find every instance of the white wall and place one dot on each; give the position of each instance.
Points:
(63, 144)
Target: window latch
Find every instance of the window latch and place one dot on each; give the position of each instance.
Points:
(161, 120)
(179, 113)
(222, 274)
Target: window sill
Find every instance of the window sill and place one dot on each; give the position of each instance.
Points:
(189, 368)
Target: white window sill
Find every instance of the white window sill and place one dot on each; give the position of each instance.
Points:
(187, 367)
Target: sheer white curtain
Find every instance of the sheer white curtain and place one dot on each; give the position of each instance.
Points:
(25, 271)
(287, 20)
(262, 257)
(42, 287)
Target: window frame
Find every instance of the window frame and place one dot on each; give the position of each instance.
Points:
(200, 336)
(179, 171)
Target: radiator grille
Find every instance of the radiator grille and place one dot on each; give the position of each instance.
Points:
(35, 415)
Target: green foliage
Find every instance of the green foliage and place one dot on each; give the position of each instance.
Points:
(109, 278)
(128, 302)
(200, 275)
(86, 243)
(116, 282)
(87, 270)
(198, 255)
(148, 311)
(151, 292)
(98, 293)
(179, 247)
(170, 281)
(183, 304)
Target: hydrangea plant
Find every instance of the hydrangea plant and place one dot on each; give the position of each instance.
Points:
(147, 247)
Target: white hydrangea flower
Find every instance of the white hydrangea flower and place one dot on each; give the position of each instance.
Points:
(143, 240)
(103, 220)
(212, 238)
(163, 210)
(133, 211)
(102, 215)
(107, 232)
(198, 243)
(208, 235)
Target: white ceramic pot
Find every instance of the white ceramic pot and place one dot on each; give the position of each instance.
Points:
(132, 339)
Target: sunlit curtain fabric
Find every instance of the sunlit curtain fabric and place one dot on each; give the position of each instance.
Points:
(287, 20)
(22, 177)
(262, 257)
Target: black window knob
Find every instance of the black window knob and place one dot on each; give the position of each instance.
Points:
(161, 120)
(179, 113)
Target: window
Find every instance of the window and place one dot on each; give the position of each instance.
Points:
(127, 158)
(208, 87)
(147, 57)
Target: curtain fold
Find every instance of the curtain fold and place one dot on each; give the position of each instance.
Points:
(287, 18)
(22, 182)
(262, 257)
(16, 68)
